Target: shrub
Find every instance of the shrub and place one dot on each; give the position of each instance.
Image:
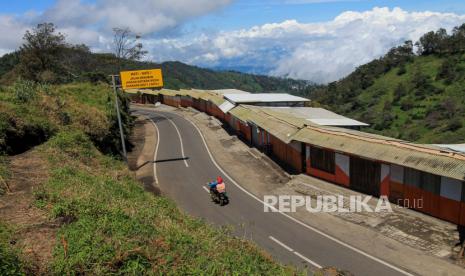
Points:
(454, 124)
(406, 104)
(24, 90)
(401, 70)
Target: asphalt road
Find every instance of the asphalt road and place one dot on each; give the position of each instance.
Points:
(184, 166)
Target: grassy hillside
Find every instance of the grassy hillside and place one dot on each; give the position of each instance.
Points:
(419, 98)
(82, 65)
(31, 113)
(85, 213)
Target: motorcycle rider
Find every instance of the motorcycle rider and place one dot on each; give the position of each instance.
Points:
(218, 185)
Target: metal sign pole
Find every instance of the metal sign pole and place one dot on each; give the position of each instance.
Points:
(123, 144)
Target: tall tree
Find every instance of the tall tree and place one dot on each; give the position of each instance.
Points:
(126, 45)
(41, 53)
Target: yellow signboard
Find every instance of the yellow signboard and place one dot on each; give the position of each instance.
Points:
(141, 79)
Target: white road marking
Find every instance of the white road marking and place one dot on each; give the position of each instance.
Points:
(280, 243)
(295, 252)
(156, 150)
(307, 259)
(294, 219)
(179, 135)
(205, 188)
(155, 153)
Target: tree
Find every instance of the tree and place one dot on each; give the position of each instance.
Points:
(402, 70)
(447, 71)
(41, 53)
(399, 92)
(449, 108)
(399, 55)
(433, 43)
(126, 45)
(458, 39)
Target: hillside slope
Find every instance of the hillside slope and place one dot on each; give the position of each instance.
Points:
(83, 65)
(68, 208)
(417, 97)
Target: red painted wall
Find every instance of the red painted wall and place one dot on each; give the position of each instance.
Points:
(341, 177)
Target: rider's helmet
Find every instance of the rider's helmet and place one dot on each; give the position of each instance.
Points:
(219, 179)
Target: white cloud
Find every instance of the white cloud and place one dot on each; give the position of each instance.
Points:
(141, 16)
(321, 52)
(12, 32)
(354, 38)
(92, 23)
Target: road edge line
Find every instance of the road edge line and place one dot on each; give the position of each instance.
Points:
(179, 134)
(156, 152)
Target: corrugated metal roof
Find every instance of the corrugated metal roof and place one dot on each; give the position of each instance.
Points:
(226, 106)
(285, 117)
(169, 92)
(240, 113)
(316, 115)
(217, 100)
(263, 98)
(454, 147)
(389, 150)
(337, 122)
(276, 126)
(195, 93)
(228, 91)
(131, 91)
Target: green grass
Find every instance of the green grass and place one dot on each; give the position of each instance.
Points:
(10, 263)
(84, 106)
(113, 226)
(107, 223)
(413, 124)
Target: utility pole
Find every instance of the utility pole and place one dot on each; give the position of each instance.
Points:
(123, 144)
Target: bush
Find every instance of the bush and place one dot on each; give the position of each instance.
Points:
(24, 90)
(454, 124)
(402, 70)
(406, 104)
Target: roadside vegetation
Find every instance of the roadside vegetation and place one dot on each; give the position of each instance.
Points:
(76, 63)
(414, 96)
(108, 223)
(111, 225)
(31, 113)
(86, 211)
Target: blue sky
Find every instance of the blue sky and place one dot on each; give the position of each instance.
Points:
(243, 13)
(294, 38)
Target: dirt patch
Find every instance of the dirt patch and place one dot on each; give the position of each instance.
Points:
(140, 158)
(137, 139)
(34, 232)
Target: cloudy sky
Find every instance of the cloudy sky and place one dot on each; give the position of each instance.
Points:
(318, 40)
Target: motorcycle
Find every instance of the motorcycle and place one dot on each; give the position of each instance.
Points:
(219, 198)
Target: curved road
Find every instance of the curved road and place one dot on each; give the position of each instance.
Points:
(184, 166)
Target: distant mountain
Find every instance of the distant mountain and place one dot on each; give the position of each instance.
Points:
(82, 65)
(413, 96)
(256, 70)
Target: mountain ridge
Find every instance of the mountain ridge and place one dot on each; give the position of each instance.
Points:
(83, 65)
